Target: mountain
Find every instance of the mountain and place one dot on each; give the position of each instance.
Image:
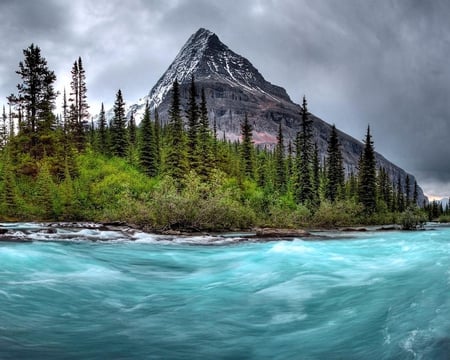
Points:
(233, 88)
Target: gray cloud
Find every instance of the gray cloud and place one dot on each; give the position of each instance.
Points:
(358, 62)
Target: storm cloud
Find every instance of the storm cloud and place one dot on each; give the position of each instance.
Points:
(383, 63)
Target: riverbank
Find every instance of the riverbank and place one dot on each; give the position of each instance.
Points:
(120, 231)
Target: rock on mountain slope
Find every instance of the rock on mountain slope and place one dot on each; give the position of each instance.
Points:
(233, 88)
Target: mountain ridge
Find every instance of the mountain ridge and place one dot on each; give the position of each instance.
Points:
(234, 88)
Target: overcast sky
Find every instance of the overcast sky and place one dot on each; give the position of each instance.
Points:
(383, 63)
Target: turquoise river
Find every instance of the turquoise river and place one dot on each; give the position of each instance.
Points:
(72, 293)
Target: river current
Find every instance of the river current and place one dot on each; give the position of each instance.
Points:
(92, 294)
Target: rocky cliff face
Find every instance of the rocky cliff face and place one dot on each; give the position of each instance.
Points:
(233, 88)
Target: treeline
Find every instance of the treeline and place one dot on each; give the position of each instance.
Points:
(177, 174)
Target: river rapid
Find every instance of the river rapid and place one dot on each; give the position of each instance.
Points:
(92, 294)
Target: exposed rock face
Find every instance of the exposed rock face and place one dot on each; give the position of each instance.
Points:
(233, 88)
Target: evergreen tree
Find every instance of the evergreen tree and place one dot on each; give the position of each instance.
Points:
(132, 138)
(247, 148)
(335, 171)
(407, 191)
(315, 176)
(192, 114)
(177, 153)
(400, 195)
(290, 161)
(384, 187)
(102, 132)
(416, 194)
(35, 101)
(119, 143)
(205, 155)
(4, 129)
(147, 156)
(157, 133)
(280, 163)
(367, 176)
(78, 105)
(304, 189)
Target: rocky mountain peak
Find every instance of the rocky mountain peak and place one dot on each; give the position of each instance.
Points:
(234, 88)
(207, 58)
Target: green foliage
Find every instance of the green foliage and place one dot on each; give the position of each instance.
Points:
(367, 176)
(304, 188)
(339, 213)
(144, 177)
(335, 169)
(412, 219)
(119, 141)
(176, 158)
(147, 154)
(247, 148)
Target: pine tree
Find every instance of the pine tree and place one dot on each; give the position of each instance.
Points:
(205, 154)
(400, 195)
(367, 176)
(384, 187)
(157, 133)
(35, 101)
(280, 163)
(132, 138)
(416, 194)
(192, 114)
(78, 105)
(315, 176)
(4, 129)
(119, 143)
(147, 152)
(407, 191)
(247, 148)
(303, 186)
(102, 132)
(177, 153)
(335, 171)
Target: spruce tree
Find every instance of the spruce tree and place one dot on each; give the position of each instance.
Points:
(280, 180)
(132, 137)
(400, 195)
(147, 151)
(407, 191)
(4, 129)
(157, 133)
(176, 161)
(119, 142)
(247, 148)
(416, 194)
(35, 101)
(78, 105)
(335, 176)
(205, 155)
(192, 115)
(315, 176)
(102, 132)
(303, 185)
(367, 176)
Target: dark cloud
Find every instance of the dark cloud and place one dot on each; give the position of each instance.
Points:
(381, 63)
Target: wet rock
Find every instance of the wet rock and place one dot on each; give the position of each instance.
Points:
(281, 233)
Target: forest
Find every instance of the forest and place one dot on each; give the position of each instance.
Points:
(179, 174)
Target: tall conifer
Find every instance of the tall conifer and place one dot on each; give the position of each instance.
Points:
(280, 163)
(247, 148)
(147, 152)
(367, 175)
(177, 153)
(334, 164)
(118, 129)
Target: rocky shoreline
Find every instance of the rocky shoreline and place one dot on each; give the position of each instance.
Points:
(28, 232)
